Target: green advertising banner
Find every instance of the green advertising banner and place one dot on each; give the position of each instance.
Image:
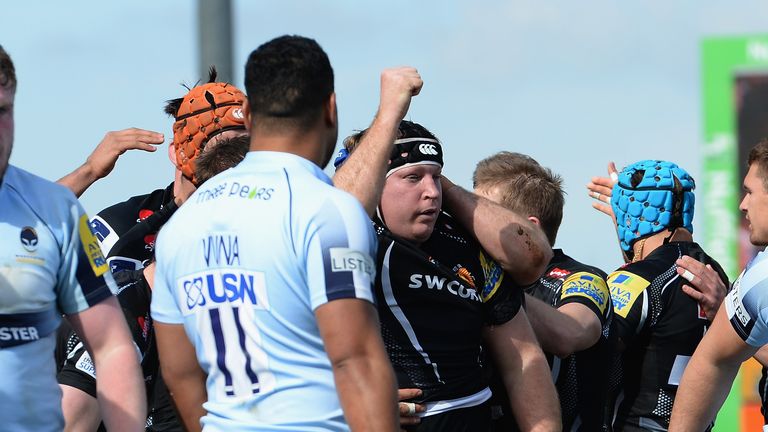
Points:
(735, 86)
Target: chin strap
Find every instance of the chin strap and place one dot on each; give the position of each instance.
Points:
(639, 255)
(672, 232)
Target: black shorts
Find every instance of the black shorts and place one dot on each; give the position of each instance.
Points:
(471, 419)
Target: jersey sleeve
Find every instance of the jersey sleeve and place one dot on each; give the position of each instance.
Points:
(588, 289)
(747, 305)
(164, 306)
(503, 299)
(628, 292)
(340, 251)
(78, 370)
(83, 278)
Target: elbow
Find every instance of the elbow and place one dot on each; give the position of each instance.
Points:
(574, 341)
(562, 351)
(532, 268)
(565, 345)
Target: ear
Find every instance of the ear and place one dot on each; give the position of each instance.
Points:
(330, 115)
(172, 153)
(247, 115)
(534, 220)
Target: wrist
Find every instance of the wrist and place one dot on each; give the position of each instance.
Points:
(387, 118)
(87, 171)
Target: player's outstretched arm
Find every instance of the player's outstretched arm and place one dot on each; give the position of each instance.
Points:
(563, 331)
(518, 245)
(120, 388)
(525, 374)
(101, 162)
(182, 373)
(361, 369)
(708, 376)
(363, 174)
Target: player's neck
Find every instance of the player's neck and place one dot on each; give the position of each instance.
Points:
(643, 248)
(307, 144)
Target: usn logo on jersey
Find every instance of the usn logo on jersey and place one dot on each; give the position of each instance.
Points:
(213, 288)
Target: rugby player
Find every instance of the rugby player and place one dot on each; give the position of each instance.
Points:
(569, 306)
(740, 329)
(126, 232)
(444, 304)
(51, 264)
(658, 325)
(262, 301)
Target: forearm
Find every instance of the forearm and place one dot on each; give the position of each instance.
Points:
(519, 246)
(368, 393)
(762, 355)
(560, 332)
(181, 371)
(120, 389)
(364, 173)
(532, 394)
(189, 394)
(80, 409)
(702, 391)
(525, 373)
(79, 180)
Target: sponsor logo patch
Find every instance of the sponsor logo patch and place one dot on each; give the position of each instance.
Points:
(439, 283)
(625, 288)
(558, 273)
(587, 285)
(29, 239)
(85, 364)
(427, 149)
(100, 229)
(350, 260)
(91, 247)
(210, 289)
(736, 306)
(493, 276)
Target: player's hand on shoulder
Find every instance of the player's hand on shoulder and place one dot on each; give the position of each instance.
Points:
(704, 284)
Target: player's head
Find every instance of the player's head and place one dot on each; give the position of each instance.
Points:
(519, 183)
(412, 195)
(289, 82)
(207, 113)
(7, 96)
(754, 205)
(227, 153)
(649, 197)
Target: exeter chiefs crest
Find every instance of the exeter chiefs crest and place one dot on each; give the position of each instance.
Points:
(29, 238)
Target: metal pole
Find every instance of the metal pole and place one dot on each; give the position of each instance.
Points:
(214, 21)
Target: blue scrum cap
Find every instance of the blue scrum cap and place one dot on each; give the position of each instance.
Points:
(653, 204)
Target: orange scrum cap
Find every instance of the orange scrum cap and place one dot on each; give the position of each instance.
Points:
(204, 112)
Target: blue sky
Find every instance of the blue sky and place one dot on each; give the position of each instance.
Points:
(573, 84)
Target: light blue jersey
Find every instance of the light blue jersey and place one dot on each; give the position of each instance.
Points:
(50, 263)
(747, 302)
(243, 265)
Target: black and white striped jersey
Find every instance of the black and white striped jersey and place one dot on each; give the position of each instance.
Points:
(659, 327)
(580, 378)
(434, 301)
